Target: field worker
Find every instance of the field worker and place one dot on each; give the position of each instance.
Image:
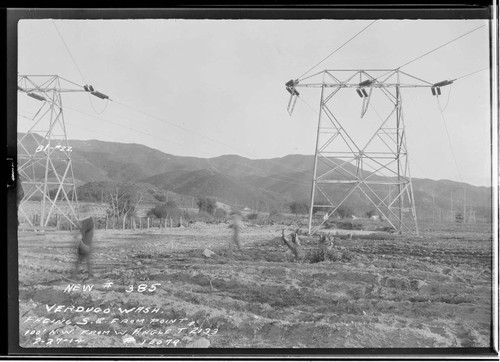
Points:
(236, 226)
(84, 249)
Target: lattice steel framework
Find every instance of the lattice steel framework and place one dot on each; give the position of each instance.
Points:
(376, 169)
(44, 155)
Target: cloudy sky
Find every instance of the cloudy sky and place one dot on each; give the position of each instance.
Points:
(206, 88)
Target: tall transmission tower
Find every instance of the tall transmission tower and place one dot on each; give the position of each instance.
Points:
(349, 168)
(44, 154)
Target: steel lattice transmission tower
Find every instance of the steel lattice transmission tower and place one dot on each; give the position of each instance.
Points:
(348, 168)
(44, 155)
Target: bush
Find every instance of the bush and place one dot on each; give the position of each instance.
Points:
(207, 204)
(274, 213)
(168, 209)
(344, 212)
(252, 216)
(319, 255)
(220, 214)
(299, 207)
(203, 216)
(347, 256)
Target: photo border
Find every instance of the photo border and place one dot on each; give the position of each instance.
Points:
(482, 10)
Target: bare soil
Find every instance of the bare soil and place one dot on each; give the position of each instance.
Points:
(382, 290)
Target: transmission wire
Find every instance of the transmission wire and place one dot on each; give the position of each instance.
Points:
(433, 50)
(469, 74)
(340, 47)
(202, 135)
(448, 100)
(439, 47)
(287, 178)
(69, 52)
(449, 139)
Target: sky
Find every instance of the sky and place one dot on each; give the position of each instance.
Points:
(206, 88)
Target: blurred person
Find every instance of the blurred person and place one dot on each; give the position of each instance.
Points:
(85, 236)
(236, 226)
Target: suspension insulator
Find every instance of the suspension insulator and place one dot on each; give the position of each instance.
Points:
(443, 83)
(99, 95)
(359, 92)
(36, 96)
(366, 83)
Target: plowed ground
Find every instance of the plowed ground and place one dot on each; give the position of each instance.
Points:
(380, 291)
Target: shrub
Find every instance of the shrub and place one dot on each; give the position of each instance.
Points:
(319, 255)
(168, 209)
(203, 216)
(299, 207)
(253, 216)
(274, 213)
(344, 211)
(347, 256)
(207, 204)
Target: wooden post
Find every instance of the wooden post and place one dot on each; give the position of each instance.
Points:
(148, 223)
(180, 221)
(57, 221)
(140, 223)
(171, 223)
(106, 228)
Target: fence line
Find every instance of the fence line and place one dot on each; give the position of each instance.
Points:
(117, 223)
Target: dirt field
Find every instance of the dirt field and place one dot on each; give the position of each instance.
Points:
(381, 291)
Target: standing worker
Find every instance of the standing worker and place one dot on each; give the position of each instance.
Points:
(84, 250)
(236, 226)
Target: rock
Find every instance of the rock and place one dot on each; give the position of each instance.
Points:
(199, 343)
(208, 253)
(417, 284)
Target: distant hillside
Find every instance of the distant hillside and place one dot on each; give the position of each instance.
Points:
(215, 184)
(239, 181)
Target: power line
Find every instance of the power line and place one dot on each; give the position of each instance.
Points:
(206, 137)
(142, 112)
(287, 178)
(69, 52)
(449, 139)
(448, 100)
(433, 50)
(439, 47)
(105, 105)
(469, 74)
(176, 125)
(340, 47)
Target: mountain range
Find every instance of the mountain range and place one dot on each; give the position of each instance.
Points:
(238, 181)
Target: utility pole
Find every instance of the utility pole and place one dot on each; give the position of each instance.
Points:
(345, 165)
(44, 153)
